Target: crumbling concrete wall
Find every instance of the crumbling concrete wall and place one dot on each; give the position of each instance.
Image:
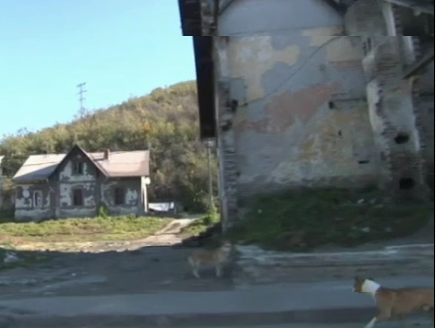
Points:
(295, 108)
(301, 117)
(395, 105)
(426, 107)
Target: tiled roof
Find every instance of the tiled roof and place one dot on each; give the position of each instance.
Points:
(120, 164)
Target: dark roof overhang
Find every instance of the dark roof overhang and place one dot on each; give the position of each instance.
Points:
(192, 25)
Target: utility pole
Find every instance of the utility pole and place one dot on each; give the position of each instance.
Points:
(81, 95)
(209, 145)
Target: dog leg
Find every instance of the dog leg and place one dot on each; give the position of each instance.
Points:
(195, 272)
(371, 323)
(429, 309)
(218, 270)
(382, 316)
(401, 322)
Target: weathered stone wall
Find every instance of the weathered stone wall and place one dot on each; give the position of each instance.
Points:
(394, 103)
(426, 86)
(228, 166)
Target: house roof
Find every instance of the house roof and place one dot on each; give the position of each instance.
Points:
(123, 163)
(120, 164)
(192, 25)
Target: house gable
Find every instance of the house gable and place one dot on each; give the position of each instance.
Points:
(76, 166)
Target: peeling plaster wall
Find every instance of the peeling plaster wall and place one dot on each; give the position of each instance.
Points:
(69, 181)
(302, 117)
(24, 202)
(134, 203)
(89, 172)
(67, 209)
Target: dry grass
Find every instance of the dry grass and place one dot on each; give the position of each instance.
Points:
(86, 229)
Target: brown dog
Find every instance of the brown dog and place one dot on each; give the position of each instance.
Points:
(215, 257)
(395, 303)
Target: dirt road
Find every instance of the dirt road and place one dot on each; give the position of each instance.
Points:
(154, 264)
(151, 264)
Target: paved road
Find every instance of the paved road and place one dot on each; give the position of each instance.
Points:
(411, 322)
(422, 324)
(348, 325)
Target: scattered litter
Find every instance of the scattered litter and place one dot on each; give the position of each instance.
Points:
(10, 258)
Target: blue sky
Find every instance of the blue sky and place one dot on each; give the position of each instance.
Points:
(120, 48)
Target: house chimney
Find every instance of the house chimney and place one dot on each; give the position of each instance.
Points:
(107, 154)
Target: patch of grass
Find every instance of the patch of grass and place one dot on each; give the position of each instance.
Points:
(86, 229)
(201, 225)
(304, 220)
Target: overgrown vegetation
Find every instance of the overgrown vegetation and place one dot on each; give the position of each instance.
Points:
(201, 225)
(304, 220)
(166, 122)
(87, 229)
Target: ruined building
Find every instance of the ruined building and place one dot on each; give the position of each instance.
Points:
(81, 184)
(315, 93)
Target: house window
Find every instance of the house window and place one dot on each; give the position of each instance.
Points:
(37, 198)
(77, 168)
(77, 197)
(119, 196)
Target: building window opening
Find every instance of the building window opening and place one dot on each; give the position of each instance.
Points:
(37, 198)
(406, 183)
(77, 168)
(77, 197)
(119, 196)
(401, 138)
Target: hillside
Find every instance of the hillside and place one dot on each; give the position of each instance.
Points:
(165, 121)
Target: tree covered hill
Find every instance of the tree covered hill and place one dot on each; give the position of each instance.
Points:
(165, 121)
